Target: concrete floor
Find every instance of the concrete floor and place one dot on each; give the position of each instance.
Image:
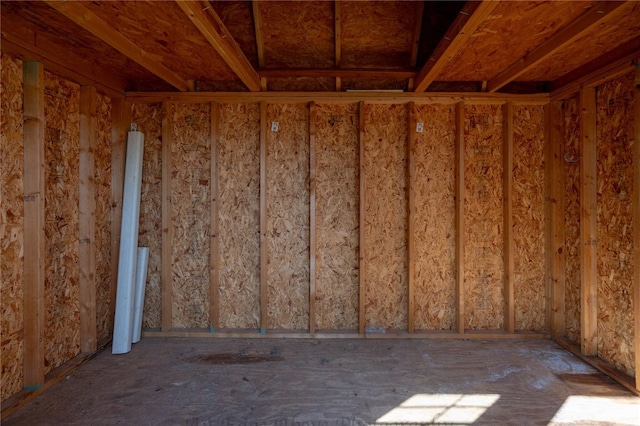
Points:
(264, 382)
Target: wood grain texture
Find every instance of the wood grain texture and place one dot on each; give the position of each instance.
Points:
(288, 216)
(528, 218)
(615, 223)
(337, 216)
(148, 118)
(11, 226)
(62, 317)
(239, 215)
(386, 216)
(483, 289)
(190, 186)
(435, 292)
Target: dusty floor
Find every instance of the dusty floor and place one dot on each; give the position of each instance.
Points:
(334, 382)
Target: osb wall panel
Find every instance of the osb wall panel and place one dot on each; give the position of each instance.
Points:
(572, 218)
(483, 213)
(11, 226)
(190, 200)
(615, 217)
(148, 118)
(239, 216)
(434, 188)
(288, 217)
(528, 217)
(337, 216)
(385, 216)
(102, 157)
(62, 310)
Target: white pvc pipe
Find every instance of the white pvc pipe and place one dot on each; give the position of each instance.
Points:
(123, 323)
(141, 280)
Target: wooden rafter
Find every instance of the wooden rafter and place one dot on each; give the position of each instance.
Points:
(415, 45)
(257, 26)
(471, 16)
(560, 39)
(336, 72)
(106, 32)
(213, 29)
(337, 20)
(23, 39)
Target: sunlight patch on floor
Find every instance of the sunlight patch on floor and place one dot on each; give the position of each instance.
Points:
(611, 410)
(440, 408)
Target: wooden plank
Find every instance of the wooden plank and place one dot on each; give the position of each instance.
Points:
(106, 32)
(411, 219)
(257, 27)
(554, 219)
(636, 221)
(87, 220)
(26, 41)
(603, 66)
(460, 217)
(214, 261)
(205, 18)
(337, 28)
(509, 248)
(264, 247)
(588, 224)
(351, 73)
(461, 30)
(362, 289)
(312, 217)
(559, 39)
(166, 270)
(34, 237)
(415, 46)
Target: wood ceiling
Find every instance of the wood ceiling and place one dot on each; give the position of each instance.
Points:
(239, 46)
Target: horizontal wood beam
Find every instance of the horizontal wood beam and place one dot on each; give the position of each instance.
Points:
(468, 20)
(213, 29)
(22, 39)
(554, 43)
(336, 72)
(592, 73)
(106, 32)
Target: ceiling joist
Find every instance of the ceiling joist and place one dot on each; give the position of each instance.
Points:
(337, 28)
(29, 43)
(257, 27)
(468, 20)
(415, 45)
(85, 18)
(337, 73)
(213, 29)
(561, 38)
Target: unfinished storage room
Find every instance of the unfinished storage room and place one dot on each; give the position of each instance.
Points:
(354, 212)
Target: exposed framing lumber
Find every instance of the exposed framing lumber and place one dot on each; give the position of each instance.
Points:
(588, 224)
(23, 39)
(636, 221)
(120, 120)
(472, 15)
(508, 243)
(106, 32)
(361, 228)
(336, 72)
(337, 29)
(264, 248)
(554, 220)
(166, 263)
(312, 217)
(214, 259)
(257, 27)
(415, 44)
(87, 220)
(554, 43)
(213, 29)
(618, 60)
(411, 220)
(459, 220)
(34, 237)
